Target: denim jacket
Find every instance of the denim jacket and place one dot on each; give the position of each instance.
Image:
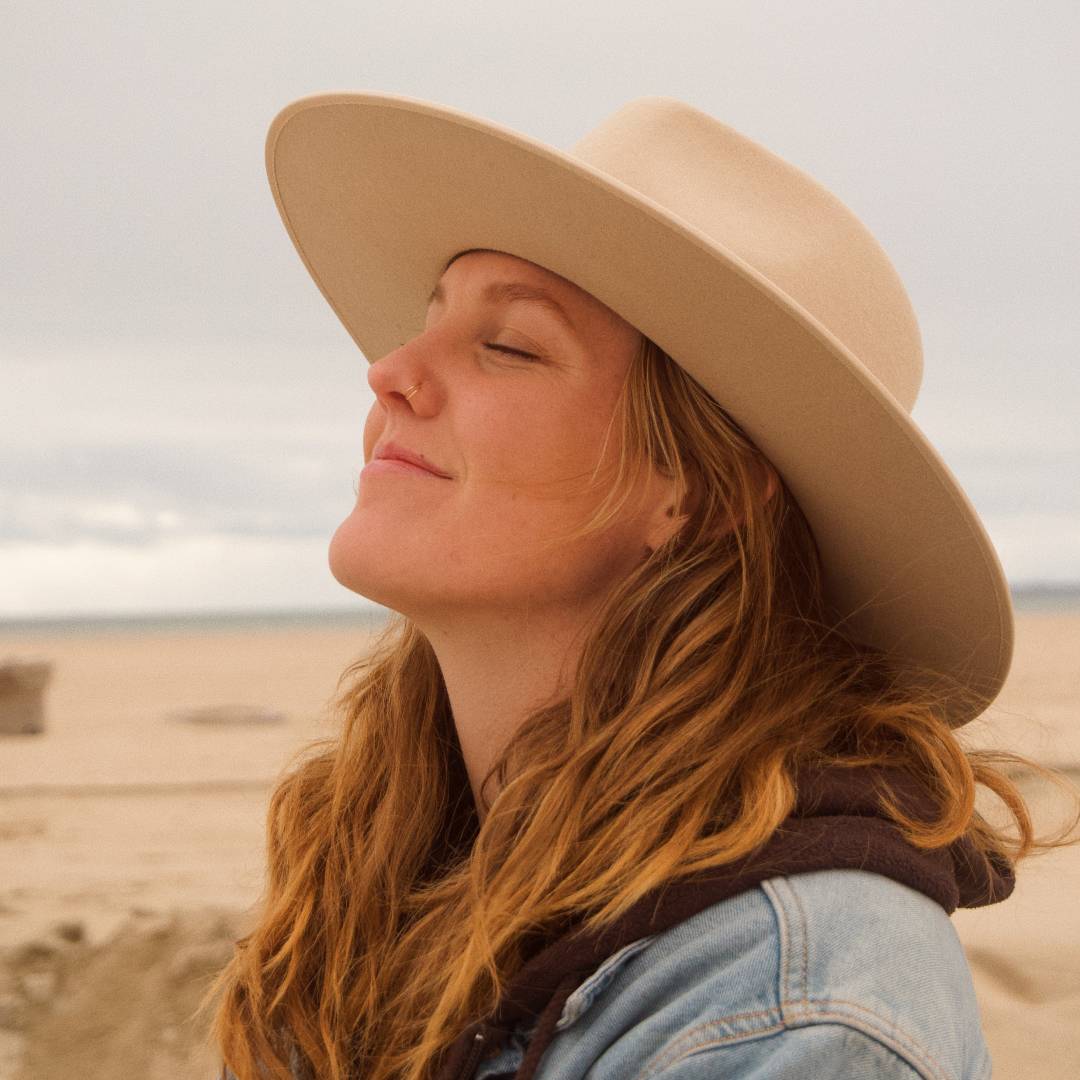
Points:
(825, 954)
(839, 973)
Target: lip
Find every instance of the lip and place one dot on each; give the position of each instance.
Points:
(396, 465)
(391, 453)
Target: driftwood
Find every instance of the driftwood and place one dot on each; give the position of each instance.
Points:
(22, 695)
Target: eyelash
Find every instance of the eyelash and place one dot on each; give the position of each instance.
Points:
(513, 352)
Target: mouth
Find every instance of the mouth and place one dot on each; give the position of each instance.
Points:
(391, 451)
(397, 465)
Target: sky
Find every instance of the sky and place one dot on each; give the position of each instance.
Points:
(181, 413)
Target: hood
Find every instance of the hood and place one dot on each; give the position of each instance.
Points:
(836, 824)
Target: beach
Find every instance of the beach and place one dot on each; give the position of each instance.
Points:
(131, 841)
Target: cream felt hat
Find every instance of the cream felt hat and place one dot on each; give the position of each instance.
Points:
(753, 277)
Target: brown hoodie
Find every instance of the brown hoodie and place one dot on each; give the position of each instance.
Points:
(836, 823)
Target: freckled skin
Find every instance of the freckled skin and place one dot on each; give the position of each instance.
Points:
(464, 557)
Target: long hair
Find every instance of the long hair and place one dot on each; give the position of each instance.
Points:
(392, 916)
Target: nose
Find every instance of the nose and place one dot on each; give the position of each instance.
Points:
(398, 375)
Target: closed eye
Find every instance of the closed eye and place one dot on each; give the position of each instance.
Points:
(513, 352)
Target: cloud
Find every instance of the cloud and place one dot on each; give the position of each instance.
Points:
(192, 573)
(139, 494)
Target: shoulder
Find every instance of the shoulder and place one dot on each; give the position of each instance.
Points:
(861, 950)
(848, 968)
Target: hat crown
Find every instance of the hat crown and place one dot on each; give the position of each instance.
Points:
(774, 218)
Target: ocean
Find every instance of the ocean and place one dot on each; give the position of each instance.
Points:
(195, 622)
(1051, 596)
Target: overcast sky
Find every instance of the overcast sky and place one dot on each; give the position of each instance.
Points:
(181, 413)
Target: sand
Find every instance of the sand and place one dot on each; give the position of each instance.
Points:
(131, 844)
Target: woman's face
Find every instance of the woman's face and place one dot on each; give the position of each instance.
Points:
(518, 436)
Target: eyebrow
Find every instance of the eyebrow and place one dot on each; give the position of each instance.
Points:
(507, 291)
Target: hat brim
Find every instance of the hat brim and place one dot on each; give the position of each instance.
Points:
(377, 192)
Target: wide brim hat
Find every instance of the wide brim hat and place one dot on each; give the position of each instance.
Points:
(753, 277)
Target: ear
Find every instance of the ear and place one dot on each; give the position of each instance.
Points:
(662, 530)
(664, 523)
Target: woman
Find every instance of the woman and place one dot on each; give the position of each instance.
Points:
(656, 772)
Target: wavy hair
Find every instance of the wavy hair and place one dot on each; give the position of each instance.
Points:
(392, 917)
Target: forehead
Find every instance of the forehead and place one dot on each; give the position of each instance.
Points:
(499, 277)
(480, 261)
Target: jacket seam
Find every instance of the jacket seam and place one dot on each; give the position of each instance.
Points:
(883, 1030)
(675, 1056)
(677, 1053)
(879, 1028)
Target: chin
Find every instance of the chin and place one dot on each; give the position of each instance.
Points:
(341, 565)
(356, 564)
